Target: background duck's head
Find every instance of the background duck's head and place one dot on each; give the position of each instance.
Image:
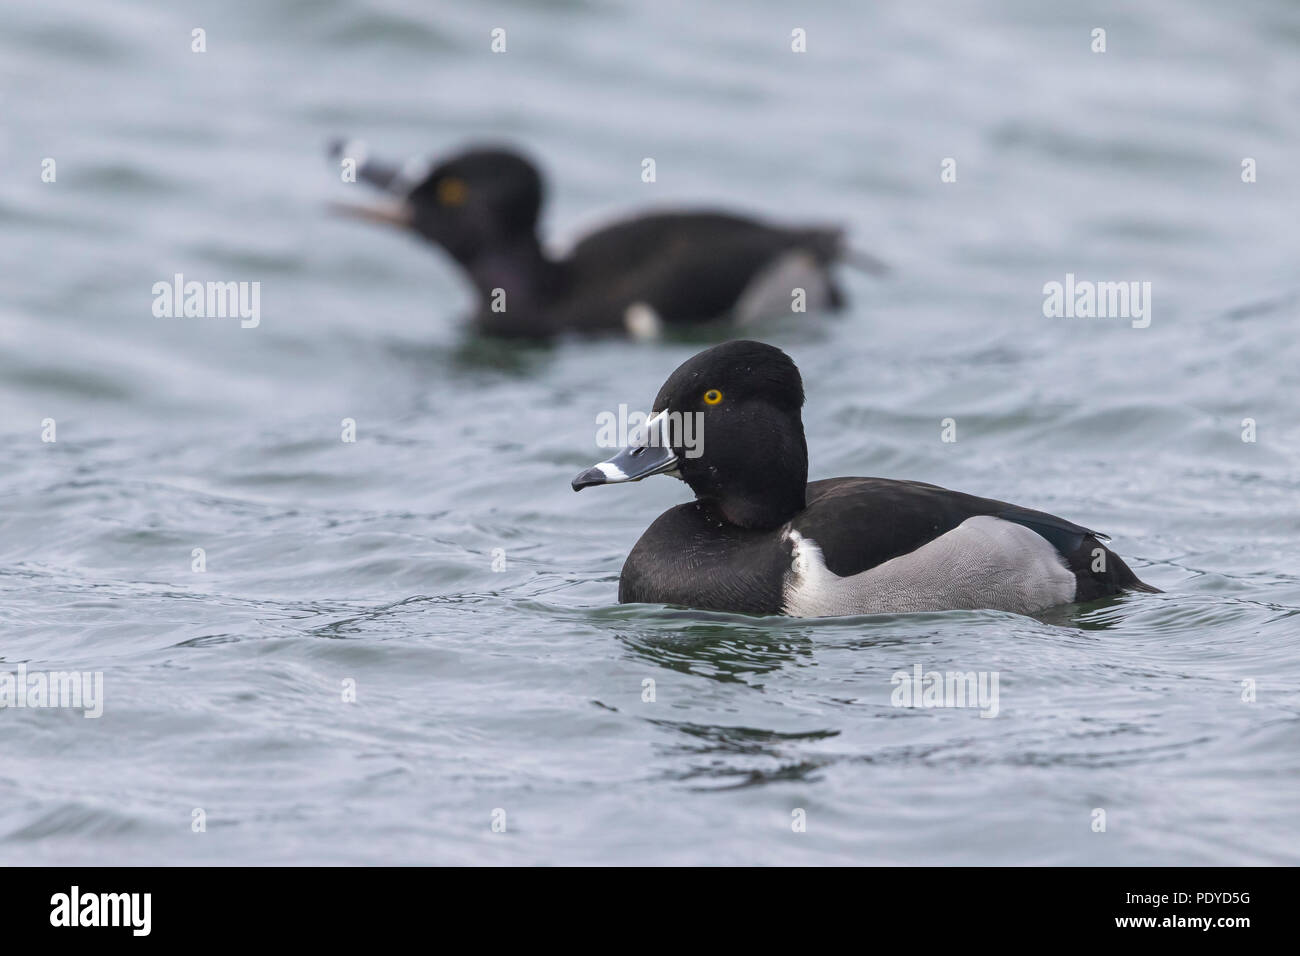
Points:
(747, 457)
(471, 204)
(478, 201)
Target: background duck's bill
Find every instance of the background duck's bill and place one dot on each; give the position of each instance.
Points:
(390, 213)
(630, 464)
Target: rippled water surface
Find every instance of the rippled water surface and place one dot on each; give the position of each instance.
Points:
(522, 689)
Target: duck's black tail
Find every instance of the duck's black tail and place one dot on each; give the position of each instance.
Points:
(1101, 572)
(855, 258)
(1098, 571)
(831, 245)
(1142, 586)
(864, 262)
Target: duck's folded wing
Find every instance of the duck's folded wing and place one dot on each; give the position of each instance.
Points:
(687, 267)
(860, 523)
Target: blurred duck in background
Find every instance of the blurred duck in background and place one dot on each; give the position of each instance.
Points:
(639, 277)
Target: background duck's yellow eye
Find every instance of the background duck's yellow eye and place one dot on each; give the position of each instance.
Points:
(712, 397)
(451, 191)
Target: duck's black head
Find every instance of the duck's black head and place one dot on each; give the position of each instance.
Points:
(728, 423)
(479, 202)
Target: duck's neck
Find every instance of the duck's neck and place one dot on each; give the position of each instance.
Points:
(515, 275)
(761, 508)
(768, 482)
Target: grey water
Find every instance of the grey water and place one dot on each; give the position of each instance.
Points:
(395, 643)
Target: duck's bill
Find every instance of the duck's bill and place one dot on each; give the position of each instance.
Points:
(394, 213)
(631, 464)
(641, 459)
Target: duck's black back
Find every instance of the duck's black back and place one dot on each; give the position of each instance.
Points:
(687, 266)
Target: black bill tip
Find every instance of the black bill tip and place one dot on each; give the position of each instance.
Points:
(592, 476)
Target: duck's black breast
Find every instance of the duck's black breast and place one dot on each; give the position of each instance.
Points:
(687, 267)
(690, 557)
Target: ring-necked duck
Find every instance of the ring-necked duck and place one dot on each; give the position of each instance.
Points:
(633, 277)
(760, 538)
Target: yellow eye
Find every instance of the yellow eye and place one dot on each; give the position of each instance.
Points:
(451, 191)
(712, 397)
